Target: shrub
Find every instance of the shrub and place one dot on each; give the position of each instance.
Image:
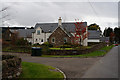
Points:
(21, 42)
(65, 46)
(36, 45)
(47, 44)
(45, 49)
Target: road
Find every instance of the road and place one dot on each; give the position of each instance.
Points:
(106, 67)
(72, 67)
(79, 67)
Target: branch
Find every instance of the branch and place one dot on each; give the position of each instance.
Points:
(5, 8)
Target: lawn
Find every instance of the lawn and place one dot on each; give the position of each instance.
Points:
(34, 70)
(100, 52)
(83, 47)
(61, 48)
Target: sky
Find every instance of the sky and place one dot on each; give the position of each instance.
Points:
(105, 14)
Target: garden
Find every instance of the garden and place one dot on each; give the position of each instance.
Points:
(65, 50)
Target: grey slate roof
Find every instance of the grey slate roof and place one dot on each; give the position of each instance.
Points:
(25, 32)
(69, 27)
(46, 27)
(94, 34)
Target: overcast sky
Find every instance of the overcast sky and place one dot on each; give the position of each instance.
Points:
(105, 14)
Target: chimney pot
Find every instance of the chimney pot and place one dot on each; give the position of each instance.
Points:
(59, 21)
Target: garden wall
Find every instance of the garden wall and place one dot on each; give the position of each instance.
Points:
(11, 66)
(77, 52)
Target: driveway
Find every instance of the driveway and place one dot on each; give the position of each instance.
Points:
(72, 67)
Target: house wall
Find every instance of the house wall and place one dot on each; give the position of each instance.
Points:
(93, 40)
(59, 36)
(29, 40)
(38, 38)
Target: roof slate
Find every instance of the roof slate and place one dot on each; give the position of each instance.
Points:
(94, 34)
(46, 27)
(69, 27)
(25, 32)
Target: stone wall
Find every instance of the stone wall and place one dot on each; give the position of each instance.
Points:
(59, 36)
(11, 66)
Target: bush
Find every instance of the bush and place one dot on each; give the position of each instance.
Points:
(65, 46)
(45, 49)
(36, 45)
(21, 42)
(47, 44)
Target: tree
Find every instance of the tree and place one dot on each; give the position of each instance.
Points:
(4, 16)
(117, 34)
(107, 32)
(93, 27)
(21, 42)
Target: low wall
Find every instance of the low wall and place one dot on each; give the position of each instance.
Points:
(11, 66)
(76, 52)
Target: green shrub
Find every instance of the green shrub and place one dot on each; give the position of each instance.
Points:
(65, 46)
(36, 45)
(45, 49)
(47, 44)
(21, 42)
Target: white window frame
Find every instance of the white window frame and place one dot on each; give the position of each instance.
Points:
(37, 32)
(52, 39)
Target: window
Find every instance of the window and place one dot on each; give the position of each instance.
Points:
(38, 32)
(53, 40)
(65, 40)
(10, 35)
(36, 40)
(41, 40)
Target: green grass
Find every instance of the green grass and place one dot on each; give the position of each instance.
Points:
(85, 47)
(61, 48)
(34, 70)
(97, 53)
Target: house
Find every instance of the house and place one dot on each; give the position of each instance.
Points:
(94, 36)
(60, 36)
(104, 39)
(6, 34)
(45, 31)
(21, 32)
(26, 34)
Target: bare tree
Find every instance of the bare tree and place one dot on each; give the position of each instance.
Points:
(4, 17)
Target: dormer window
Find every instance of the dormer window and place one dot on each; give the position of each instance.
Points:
(38, 32)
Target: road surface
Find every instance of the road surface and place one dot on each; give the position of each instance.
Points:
(81, 67)
(106, 67)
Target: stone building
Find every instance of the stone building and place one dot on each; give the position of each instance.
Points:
(55, 33)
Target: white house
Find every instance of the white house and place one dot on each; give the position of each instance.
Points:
(44, 30)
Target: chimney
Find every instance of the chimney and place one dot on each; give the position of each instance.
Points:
(59, 21)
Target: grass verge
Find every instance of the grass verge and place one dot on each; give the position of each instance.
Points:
(34, 70)
(97, 53)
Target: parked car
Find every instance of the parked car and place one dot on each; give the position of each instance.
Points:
(116, 44)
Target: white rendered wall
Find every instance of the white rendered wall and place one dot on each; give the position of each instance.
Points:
(93, 40)
(43, 36)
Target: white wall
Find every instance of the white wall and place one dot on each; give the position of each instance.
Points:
(43, 36)
(93, 40)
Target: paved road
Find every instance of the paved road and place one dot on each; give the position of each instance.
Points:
(106, 67)
(77, 67)
(72, 67)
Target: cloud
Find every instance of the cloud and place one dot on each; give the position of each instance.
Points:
(29, 13)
